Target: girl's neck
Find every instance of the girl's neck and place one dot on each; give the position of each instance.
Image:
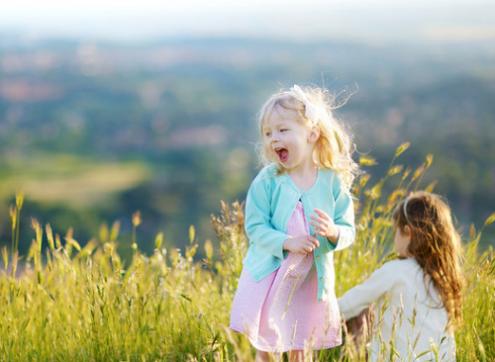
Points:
(303, 171)
(304, 176)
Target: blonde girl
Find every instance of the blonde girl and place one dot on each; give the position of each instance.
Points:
(418, 296)
(298, 212)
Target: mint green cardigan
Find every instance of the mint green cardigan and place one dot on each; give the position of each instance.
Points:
(270, 202)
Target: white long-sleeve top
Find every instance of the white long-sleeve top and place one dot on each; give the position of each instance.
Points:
(409, 313)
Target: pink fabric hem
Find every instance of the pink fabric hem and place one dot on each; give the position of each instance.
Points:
(271, 349)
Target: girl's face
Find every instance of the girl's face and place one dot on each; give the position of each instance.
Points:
(402, 240)
(287, 140)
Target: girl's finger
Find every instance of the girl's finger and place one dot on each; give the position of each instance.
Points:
(322, 214)
(314, 241)
(321, 221)
(320, 230)
(311, 243)
(316, 223)
(327, 219)
(302, 249)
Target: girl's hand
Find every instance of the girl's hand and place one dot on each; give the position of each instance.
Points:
(302, 244)
(323, 225)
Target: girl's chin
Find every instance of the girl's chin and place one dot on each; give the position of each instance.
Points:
(284, 161)
(286, 167)
(283, 166)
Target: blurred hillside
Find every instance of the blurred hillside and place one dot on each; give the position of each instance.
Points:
(93, 131)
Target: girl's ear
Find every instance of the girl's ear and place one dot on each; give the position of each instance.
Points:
(407, 231)
(314, 134)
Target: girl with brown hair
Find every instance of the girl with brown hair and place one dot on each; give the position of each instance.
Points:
(417, 297)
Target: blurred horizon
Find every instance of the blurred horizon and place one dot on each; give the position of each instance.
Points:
(379, 21)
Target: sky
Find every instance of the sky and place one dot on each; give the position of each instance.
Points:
(444, 20)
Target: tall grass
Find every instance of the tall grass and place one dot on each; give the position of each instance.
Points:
(85, 303)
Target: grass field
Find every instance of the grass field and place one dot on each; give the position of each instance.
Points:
(69, 180)
(69, 302)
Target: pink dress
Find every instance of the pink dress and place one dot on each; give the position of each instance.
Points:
(281, 312)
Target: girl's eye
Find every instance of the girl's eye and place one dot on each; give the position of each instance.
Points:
(284, 129)
(267, 134)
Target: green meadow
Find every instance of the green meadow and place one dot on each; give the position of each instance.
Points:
(69, 180)
(64, 301)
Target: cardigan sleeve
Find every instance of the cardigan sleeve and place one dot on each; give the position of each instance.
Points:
(258, 227)
(343, 216)
(355, 300)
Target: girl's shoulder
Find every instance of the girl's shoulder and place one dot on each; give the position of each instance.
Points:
(267, 173)
(394, 273)
(405, 263)
(333, 181)
(398, 268)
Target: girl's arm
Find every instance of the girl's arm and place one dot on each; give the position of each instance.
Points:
(257, 221)
(343, 216)
(363, 295)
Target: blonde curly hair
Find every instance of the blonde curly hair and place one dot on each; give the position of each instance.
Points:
(334, 146)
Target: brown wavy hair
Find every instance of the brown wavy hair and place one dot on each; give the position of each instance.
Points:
(436, 246)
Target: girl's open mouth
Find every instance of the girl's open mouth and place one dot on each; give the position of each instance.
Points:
(283, 154)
